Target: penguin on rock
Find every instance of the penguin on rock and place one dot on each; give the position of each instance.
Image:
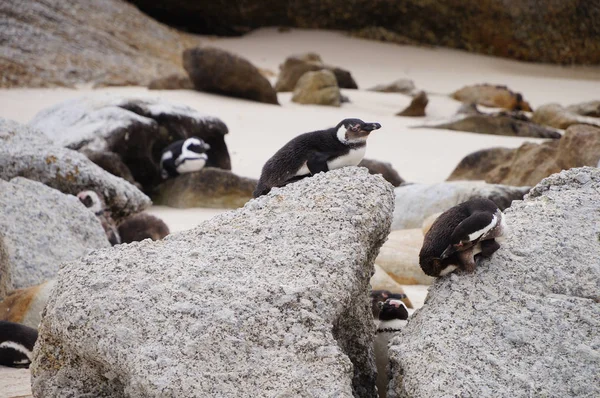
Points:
(315, 152)
(460, 234)
(183, 156)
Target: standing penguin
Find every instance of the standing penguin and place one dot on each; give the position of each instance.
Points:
(183, 156)
(94, 202)
(459, 234)
(315, 152)
(16, 344)
(392, 318)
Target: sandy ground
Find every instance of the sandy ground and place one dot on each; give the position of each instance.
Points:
(258, 130)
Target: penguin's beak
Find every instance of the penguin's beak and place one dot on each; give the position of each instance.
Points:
(370, 127)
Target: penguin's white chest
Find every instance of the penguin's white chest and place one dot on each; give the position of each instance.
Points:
(352, 158)
(191, 164)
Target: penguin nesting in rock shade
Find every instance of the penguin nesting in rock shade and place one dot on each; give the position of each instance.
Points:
(94, 202)
(379, 297)
(16, 344)
(183, 156)
(315, 152)
(459, 234)
(392, 318)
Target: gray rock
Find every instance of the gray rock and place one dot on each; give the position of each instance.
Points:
(416, 202)
(555, 115)
(43, 228)
(403, 86)
(527, 322)
(26, 152)
(268, 300)
(5, 277)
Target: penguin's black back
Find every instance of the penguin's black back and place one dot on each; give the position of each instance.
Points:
(21, 335)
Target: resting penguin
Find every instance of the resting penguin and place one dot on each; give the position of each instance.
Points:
(459, 234)
(315, 152)
(380, 296)
(94, 202)
(16, 344)
(142, 226)
(392, 318)
(183, 156)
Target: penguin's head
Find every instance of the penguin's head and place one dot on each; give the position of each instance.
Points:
(392, 309)
(196, 145)
(380, 296)
(351, 131)
(92, 201)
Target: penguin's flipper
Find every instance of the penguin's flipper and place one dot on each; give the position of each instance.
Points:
(317, 163)
(488, 247)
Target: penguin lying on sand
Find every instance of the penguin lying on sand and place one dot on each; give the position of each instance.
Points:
(315, 152)
(16, 344)
(459, 234)
(392, 318)
(95, 203)
(183, 156)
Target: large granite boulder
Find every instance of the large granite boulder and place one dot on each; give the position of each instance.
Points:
(218, 71)
(416, 202)
(492, 96)
(66, 42)
(268, 300)
(555, 115)
(5, 276)
(137, 129)
(296, 66)
(530, 163)
(25, 305)
(27, 152)
(526, 322)
(43, 228)
(319, 88)
(209, 187)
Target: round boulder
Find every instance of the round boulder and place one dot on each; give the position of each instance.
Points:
(319, 88)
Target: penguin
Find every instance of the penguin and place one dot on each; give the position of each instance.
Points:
(393, 316)
(459, 234)
(380, 296)
(94, 202)
(16, 344)
(142, 226)
(315, 152)
(183, 156)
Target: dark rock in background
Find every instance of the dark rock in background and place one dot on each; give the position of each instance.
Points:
(296, 66)
(384, 168)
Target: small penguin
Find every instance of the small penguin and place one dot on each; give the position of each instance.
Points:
(393, 317)
(142, 226)
(16, 344)
(461, 233)
(380, 296)
(315, 152)
(183, 156)
(94, 202)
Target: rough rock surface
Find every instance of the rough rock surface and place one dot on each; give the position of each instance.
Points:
(533, 30)
(416, 202)
(530, 163)
(43, 228)
(492, 96)
(416, 106)
(175, 81)
(26, 305)
(218, 71)
(384, 168)
(66, 42)
(402, 86)
(296, 66)
(319, 88)
(5, 270)
(555, 115)
(526, 322)
(137, 129)
(399, 257)
(26, 152)
(590, 108)
(209, 187)
(268, 300)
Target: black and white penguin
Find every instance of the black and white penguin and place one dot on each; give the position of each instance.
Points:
(95, 203)
(183, 156)
(379, 297)
(315, 152)
(461, 233)
(16, 344)
(393, 317)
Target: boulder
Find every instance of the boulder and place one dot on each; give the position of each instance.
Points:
(382, 281)
(218, 71)
(43, 228)
(5, 271)
(137, 129)
(268, 300)
(590, 108)
(175, 81)
(319, 88)
(416, 202)
(399, 257)
(530, 163)
(42, 42)
(492, 96)
(384, 168)
(27, 152)
(526, 322)
(380, 33)
(402, 86)
(416, 106)
(557, 116)
(25, 305)
(497, 124)
(296, 66)
(112, 163)
(209, 187)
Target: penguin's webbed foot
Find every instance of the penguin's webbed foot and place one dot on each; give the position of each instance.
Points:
(488, 247)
